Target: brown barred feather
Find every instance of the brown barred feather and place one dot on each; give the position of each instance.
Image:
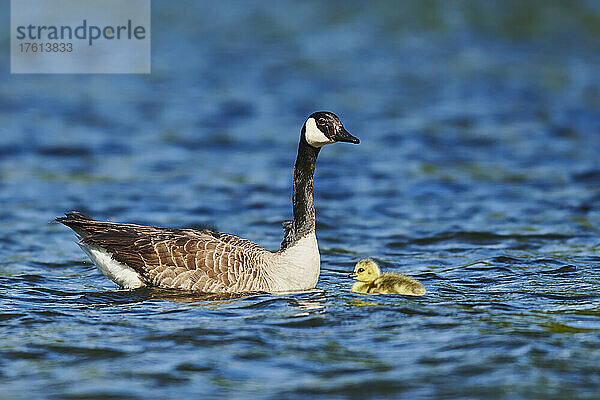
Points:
(186, 259)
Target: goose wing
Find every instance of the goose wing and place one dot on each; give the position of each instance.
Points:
(187, 259)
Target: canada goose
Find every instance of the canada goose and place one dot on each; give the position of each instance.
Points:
(371, 280)
(134, 256)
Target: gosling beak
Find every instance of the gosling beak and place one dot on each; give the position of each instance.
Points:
(352, 275)
(342, 135)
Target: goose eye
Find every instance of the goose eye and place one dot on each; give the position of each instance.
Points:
(321, 121)
(361, 270)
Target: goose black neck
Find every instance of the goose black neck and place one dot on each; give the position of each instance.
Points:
(302, 197)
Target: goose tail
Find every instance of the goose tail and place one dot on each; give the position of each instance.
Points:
(77, 221)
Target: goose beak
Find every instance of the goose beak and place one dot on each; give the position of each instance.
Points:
(342, 135)
(352, 275)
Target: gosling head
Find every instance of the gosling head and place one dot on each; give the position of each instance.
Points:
(366, 271)
(324, 127)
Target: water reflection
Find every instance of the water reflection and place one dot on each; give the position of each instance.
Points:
(307, 301)
(195, 298)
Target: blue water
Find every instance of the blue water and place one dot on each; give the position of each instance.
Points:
(477, 173)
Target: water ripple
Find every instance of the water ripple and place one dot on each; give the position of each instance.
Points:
(477, 174)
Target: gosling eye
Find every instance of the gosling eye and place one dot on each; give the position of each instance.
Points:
(361, 270)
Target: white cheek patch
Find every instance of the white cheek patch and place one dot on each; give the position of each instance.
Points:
(314, 136)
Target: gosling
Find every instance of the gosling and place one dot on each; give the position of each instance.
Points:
(371, 280)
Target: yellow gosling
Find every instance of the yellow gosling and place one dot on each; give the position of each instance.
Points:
(371, 280)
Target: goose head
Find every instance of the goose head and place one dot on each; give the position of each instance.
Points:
(324, 127)
(366, 271)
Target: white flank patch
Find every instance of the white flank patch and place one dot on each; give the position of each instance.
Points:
(314, 136)
(117, 272)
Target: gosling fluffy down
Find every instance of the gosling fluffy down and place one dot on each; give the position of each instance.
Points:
(371, 280)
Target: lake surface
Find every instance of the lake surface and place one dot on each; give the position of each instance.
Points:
(478, 173)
